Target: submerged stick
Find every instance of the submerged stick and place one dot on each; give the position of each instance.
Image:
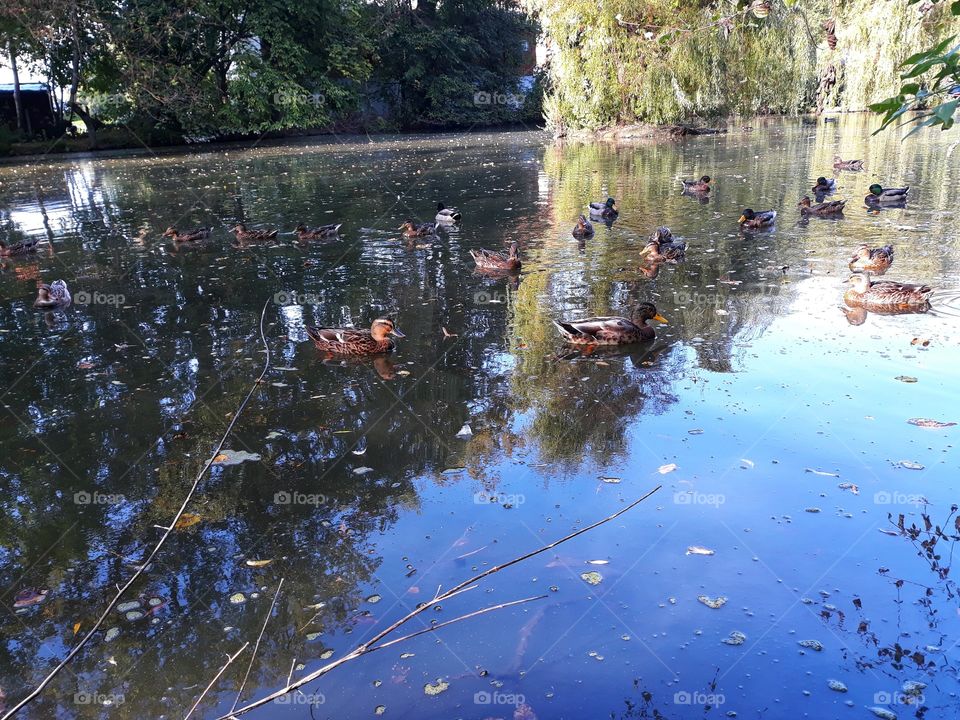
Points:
(168, 530)
(215, 678)
(469, 583)
(257, 646)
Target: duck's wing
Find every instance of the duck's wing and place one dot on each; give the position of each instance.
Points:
(329, 335)
(895, 192)
(595, 327)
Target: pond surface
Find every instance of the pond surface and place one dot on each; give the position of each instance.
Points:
(786, 419)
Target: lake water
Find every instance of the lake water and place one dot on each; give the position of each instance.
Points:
(786, 419)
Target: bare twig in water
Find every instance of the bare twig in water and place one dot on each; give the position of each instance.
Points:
(156, 548)
(257, 646)
(468, 584)
(215, 678)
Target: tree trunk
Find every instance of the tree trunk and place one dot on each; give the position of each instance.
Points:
(17, 100)
(75, 63)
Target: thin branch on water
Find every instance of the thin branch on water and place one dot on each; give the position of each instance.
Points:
(257, 645)
(168, 530)
(468, 584)
(215, 678)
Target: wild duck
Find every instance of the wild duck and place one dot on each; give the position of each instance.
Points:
(190, 236)
(503, 261)
(350, 341)
(604, 210)
(701, 186)
(824, 209)
(880, 195)
(872, 260)
(751, 219)
(447, 216)
(305, 233)
(663, 247)
(584, 228)
(54, 295)
(824, 185)
(886, 293)
(841, 164)
(413, 229)
(244, 235)
(611, 330)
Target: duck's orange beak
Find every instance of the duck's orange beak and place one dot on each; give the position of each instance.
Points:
(660, 319)
(742, 220)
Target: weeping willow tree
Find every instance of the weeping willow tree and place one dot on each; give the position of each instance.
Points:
(661, 61)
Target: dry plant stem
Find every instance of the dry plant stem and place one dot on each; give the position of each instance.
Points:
(467, 584)
(156, 548)
(215, 678)
(257, 646)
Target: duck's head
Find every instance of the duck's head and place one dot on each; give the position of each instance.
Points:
(582, 221)
(514, 249)
(170, 232)
(382, 327)
(441, 206)
(647, 311)
(238, 228)
(611, 203)
(876, 189)
(804, 202)
(661, 235)
(408, 225)
(300, 228)
(863, 252)
(705, 179)
(860, 283)
(748, 214)
(822, 181)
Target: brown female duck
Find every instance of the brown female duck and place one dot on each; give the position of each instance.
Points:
(414, 229)
(872, 260)
(305, 234)
(584, 228)
(697, 186)
(841, 164)
(824, 209)
(190, 236)
(350, 341)
(886, 294)
(611, 330)
(244, 235)
(663, 247)
(52, 296)
(502, 261)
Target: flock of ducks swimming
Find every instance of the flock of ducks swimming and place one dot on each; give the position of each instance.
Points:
(662, 246)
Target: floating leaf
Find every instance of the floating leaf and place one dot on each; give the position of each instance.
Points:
(697, 550)
(234, 457)
(910, 465)
(905, 378)
(374, 599)
(883, 713)
(664, 469)
(713, 603)
(465, 432)
(362, 470)
(134, 615)
(598, 562)
(112, 634)
(849, 486)
(238, 598)
(128, 606)
(76, 628)
(823, 473)
(926, 423)
(258, 563)
(435, 688)
(592, 577)
(814, 645)
(379, 709)
(187, 520)
(836, 686)
(611, 480)
(695, 431)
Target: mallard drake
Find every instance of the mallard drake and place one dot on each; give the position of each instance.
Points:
(583, 229)
(605, 210)
(881, 195)
(191, 236)
(824, 209)
(700, 186)
(752, 219)
(447, 216)
(886, 293)
(492, 260)
(663, 247)
(244, 235)
(611, 330)
(23, 247)
(54, 295)
(413, 229)
(350, 341)
(824, 185)
(872, 260)
(841, 164)
(305, 233)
